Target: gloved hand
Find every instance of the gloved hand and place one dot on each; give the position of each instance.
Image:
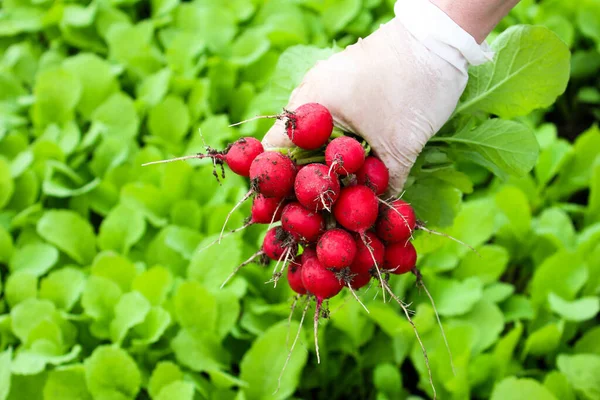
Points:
(396, 88)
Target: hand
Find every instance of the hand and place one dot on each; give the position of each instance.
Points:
(396, 88)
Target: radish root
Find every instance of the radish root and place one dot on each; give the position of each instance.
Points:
(357, 298)
(289, 356)
(370, 249)
(316, 328)
(239, 203)
(242, 265)
(405, 309)
(422, 227)
(421, 284)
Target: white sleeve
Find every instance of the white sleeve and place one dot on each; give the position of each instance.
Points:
(440, 34)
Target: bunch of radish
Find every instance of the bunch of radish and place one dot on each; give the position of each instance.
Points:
(323, 200)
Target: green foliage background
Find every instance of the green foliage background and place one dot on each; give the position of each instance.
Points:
(106, 296)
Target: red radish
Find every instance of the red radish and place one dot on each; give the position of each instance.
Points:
(360, 280)
(309, 126)
(277, 242)
(366, 258)
(238, 155)
(396, 222)
(304, 225)
(308, 252)
(345, 154)
(374, 174)
(272, 174)
(316, 187)
(356, 208)
(336, 249)
(266, 210)
(400, 258)
(294, 277)
(318, 280)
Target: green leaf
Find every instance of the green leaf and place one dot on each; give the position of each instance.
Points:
(99, 299)
(27, 387)
(544, 340)
(132, 47)
(434, 201)
(170, 119)
(67, 383)
(5, 360)
(589, 22)
(488, 265)
(213, 24)
(556, 226)
(131, 310)
(161, 7)
(69, 232)
(35, 258)
(7, 184)
(97, 80)
(153, 88)
(154, 283)
(551, 160)
(249, 47)
(57, 92)
(27, 315)
(266, 356)
(453, 297)
(200, 268)
(497, 292)
(514, 205)
(583, 372)
(122, 228)
(199, 352)
(148, 200)
(337, 14)
(559, 385)
(530, 69)
(577, 310)
(518, 307)
(576, 174)
(387, 379)
(117, 117)
(593, 212)
(152, 328)
(63, 287)
(6, 246)
(62, 181)
(20, 163)
(552, 276)
(521, 389)
(111, 373)
(589, 342)
(177, 390)
(116, 268)
(165, 373)
(488, 321)
(504, 147)
(195, 307)
(20, 286)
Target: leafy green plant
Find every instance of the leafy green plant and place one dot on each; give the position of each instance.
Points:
(104, 294)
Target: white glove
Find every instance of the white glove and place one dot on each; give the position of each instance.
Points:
(396, 88)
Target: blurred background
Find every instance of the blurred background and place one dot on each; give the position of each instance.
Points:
(104, 294)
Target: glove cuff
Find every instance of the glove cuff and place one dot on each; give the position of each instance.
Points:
(440, 34)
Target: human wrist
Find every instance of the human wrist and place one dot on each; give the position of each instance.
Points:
(437, 31)
(477, 17)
